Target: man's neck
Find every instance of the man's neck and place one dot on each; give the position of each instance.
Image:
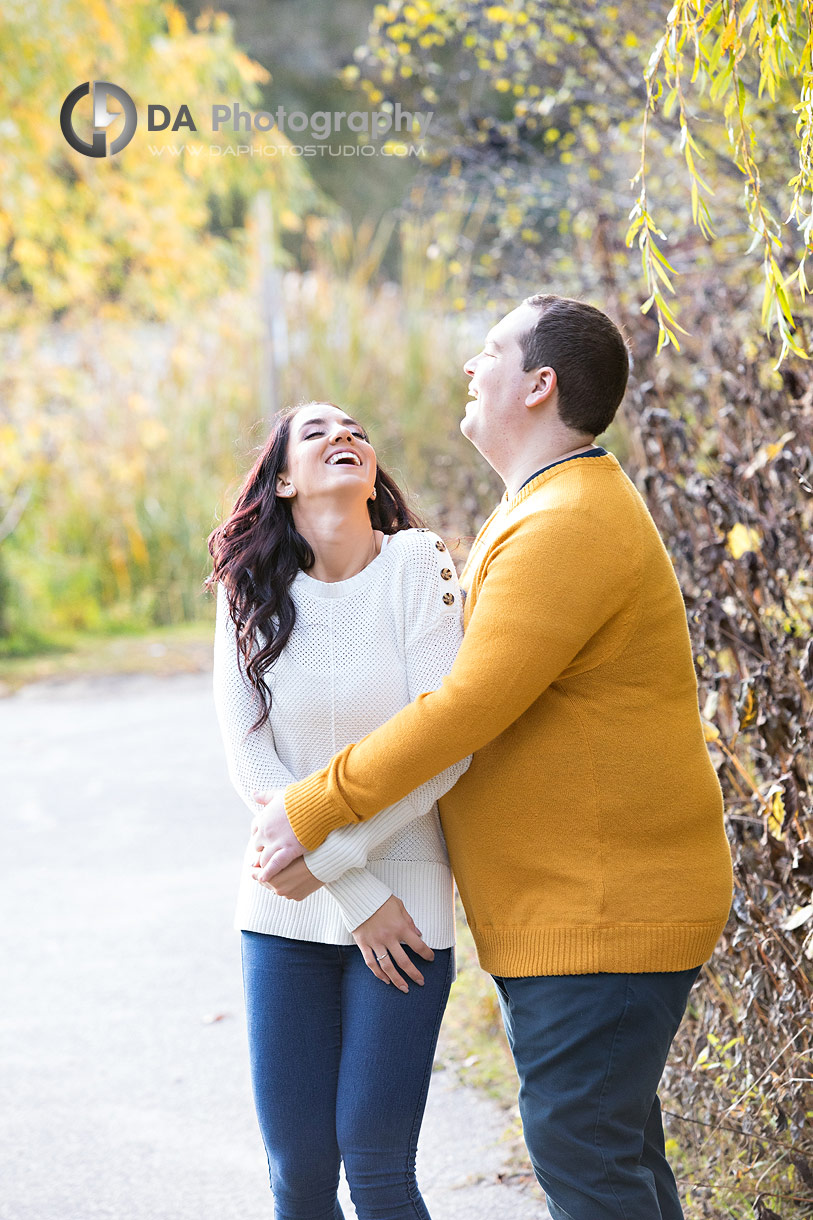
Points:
(543, 456)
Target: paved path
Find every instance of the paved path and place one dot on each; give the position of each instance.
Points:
(125, 1080)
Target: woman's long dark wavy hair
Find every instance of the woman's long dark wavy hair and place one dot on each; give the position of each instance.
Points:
(257, 552)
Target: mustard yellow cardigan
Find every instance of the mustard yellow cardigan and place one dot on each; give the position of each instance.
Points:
(587, 835)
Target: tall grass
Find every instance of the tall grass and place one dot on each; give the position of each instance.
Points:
(130, 439)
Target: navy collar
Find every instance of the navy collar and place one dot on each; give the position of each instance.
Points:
(595, 451)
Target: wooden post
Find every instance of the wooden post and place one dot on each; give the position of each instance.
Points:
(273, 326)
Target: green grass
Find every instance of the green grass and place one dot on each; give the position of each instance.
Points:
(185, 648)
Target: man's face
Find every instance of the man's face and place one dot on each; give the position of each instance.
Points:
(499, 385)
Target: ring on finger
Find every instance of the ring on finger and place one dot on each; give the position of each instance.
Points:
(386, 953)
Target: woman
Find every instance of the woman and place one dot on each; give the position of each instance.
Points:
(334, 611)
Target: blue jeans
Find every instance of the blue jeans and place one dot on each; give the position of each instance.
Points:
(340, 1066)
(590, 1050)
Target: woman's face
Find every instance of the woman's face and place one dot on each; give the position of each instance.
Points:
(328, 454)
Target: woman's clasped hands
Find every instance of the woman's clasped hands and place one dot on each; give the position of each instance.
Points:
(381, 938)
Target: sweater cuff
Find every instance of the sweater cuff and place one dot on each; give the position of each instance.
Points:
(359, 895)
(330, 859)
(311, 812)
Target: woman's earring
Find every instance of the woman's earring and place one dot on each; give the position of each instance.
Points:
(373, 494)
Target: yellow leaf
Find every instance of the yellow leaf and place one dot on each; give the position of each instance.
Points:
(779, 445)
(742, 538)
(29, 254)
(138, 548)
(775, 809)
(250, 70)
(729, 33)
(766, 454)
(749, 710)
(176, 21)
(710, 731)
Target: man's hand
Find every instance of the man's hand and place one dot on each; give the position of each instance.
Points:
(295, 881)
(273, 839)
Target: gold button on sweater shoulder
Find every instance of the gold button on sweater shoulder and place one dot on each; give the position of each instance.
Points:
(587, 835)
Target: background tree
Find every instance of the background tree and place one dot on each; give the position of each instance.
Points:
(554, 108)
(144, 233)
(118, 246)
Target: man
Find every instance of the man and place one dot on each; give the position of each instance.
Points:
(587, 836)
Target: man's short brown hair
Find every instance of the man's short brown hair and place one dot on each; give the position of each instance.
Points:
(588, 353)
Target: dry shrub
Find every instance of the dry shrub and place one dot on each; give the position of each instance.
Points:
(721, 448)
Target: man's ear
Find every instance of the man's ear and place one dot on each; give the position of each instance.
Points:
(544, 384)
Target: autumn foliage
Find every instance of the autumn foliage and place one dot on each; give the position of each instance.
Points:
(721, 448)
(134, 372)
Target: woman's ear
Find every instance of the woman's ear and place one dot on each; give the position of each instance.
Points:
(284, 486)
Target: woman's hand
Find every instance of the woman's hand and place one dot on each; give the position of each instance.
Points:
(381, 937)
(296, 881)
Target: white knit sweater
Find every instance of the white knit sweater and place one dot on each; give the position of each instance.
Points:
(360, 650)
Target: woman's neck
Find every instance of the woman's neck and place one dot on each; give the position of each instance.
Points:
(342, 539)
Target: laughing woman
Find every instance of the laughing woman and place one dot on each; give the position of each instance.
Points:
(334, 611)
